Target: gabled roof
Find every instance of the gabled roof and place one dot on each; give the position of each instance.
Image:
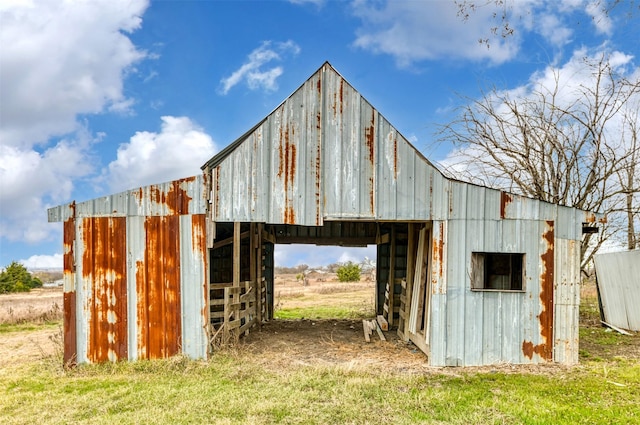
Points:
(324, 153)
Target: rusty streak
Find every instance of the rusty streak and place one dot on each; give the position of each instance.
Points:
(545, 348)
(199, 243)
(505, 200)
(369, 136)
(395, 157)
(341, 95)
(217, 195)
(178, 199)
(318, 175)
(287, 172)
(441, 250)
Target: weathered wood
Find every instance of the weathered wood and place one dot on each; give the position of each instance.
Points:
(228, 241)
(266, 236)
(377, 328)
(382, 322)
(233, 324)
(367, 330)
(392, 275)
(408, 282)
(259, 279)
(382, 239)
(417, 292)
(236, 254)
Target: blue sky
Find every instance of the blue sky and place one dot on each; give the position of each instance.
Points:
(102, 96)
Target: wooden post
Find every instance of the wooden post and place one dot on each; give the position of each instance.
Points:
(252, 268)
(259, 284)
(411, 266)
(392, 274)
(236, 273)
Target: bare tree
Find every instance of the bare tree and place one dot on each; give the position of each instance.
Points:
(505, 18)
(628, 174)
(559, 142)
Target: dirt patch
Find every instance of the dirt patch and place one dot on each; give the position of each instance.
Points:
(28, 346)
(282, 343)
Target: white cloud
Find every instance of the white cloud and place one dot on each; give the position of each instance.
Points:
(30, 181)
(43, 262)
(600, 17)
(253, 72)
(552, 28)
(415, 31)
(177, 151)
(59, 60)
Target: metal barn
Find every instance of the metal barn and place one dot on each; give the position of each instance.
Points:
(469, 274)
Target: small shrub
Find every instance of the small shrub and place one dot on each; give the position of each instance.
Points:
(16, 278)
(349, 272)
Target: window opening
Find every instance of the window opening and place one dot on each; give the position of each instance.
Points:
(497, 271)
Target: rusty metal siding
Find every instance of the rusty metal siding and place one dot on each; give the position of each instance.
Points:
(158, 290)
(137, 262)
(619, 283)
(104, 271)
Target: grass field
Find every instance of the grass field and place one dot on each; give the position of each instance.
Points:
(238, 386)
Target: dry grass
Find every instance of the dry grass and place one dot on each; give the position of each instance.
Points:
(39, 306)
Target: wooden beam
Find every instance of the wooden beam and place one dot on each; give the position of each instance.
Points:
(367, 330)
(382, 239)
(377, 327)
(228, 241)
(268, 237)
(382, 322)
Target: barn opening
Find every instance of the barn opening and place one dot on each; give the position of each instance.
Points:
(242, 271)
(324, 282)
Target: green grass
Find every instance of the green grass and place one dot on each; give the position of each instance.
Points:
(324, 312)
(234, 388)
(28, 326)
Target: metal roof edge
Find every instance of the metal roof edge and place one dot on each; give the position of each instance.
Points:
(52, 210)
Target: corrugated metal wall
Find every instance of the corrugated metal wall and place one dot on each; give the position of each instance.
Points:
(619, 285)
(488, 327)
(135, 276)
